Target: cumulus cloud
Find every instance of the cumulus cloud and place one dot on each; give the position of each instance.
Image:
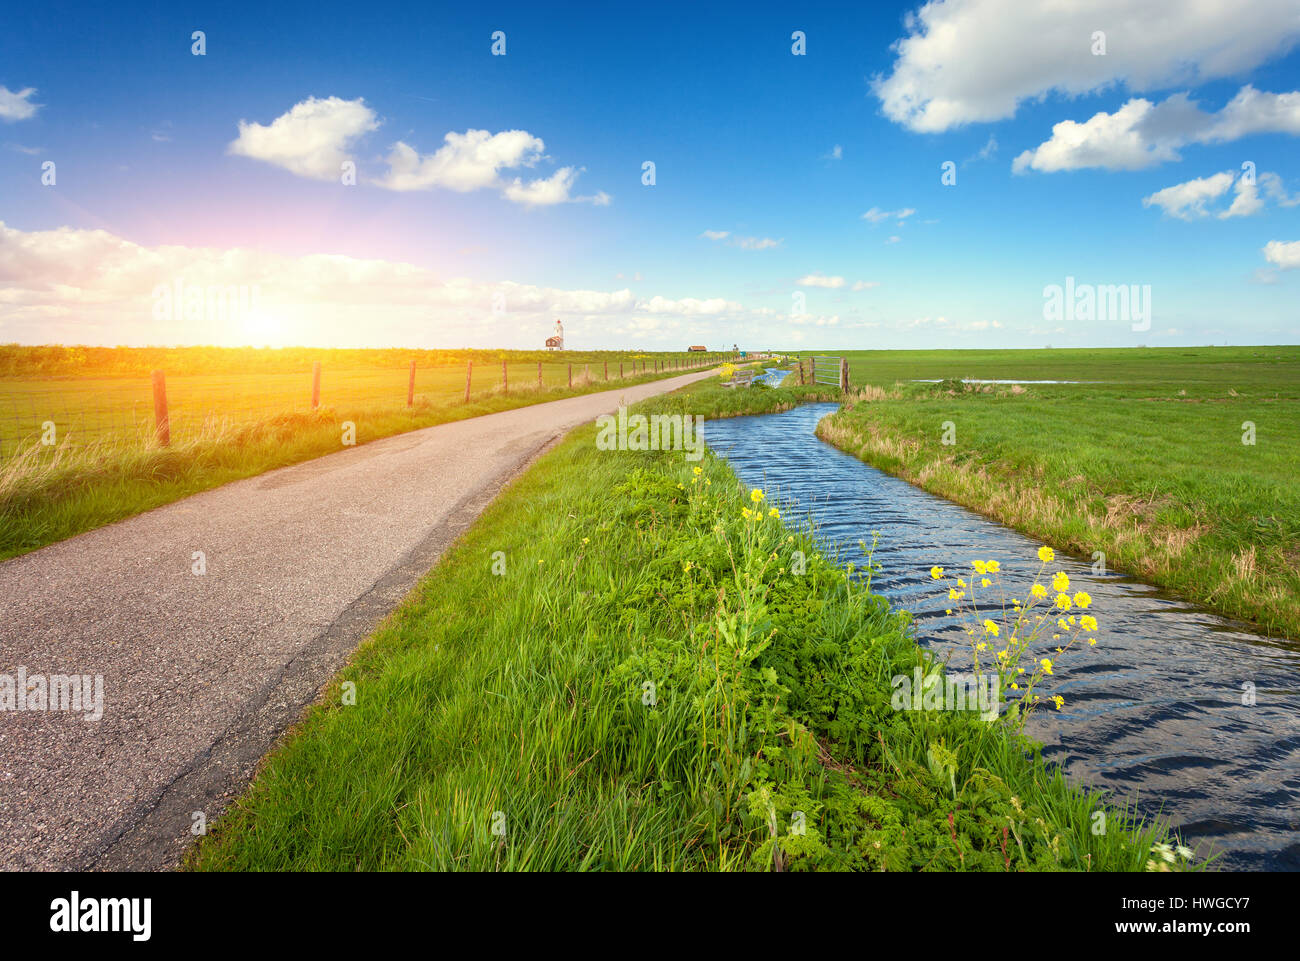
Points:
(551, 190)
(972, 61)
(1187, 201)
(79, 286)
(1142, 134)
(466, 161)
(1191, 200)
(716, 234)
(312, 139)
(17, 106)
(1285, 255)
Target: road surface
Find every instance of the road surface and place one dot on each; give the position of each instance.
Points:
(201, 673)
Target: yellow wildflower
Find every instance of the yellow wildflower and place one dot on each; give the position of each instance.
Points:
(1060, 582)
(756, 495)
(1082, 599)
(990, 628)
(936, 572)
(1047, 666)
(1046, 555)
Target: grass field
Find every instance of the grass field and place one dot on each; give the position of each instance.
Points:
(226, 425)
(1145, 463)
(105, 394)
(622, 666)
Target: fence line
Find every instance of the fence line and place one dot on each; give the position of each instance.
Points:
(162, 408)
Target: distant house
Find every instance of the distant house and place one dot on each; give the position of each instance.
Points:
(700, 349)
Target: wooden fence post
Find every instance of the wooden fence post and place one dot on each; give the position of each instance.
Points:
(315, 385)
(607, 370)
(410, 387)
(539, 375)
(161, 419)
(469, 373)
(844, 373)
(620, 370)
(570, 375)
(505, 382)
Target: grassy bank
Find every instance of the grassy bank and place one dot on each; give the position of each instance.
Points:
(48, 494)
(1147, 467)
(628, 665)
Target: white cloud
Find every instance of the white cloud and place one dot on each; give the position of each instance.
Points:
(716, 234)
(1188, 201)
(876, 215)
(819, 280)
(17, 106)
(76, 286)
(894, 239)
(866, 284)
(837, 153)
(1142, 134)
(971, 61)
(311, 140)
(552, 190)
(690, 306)
(1285, 255)
(466, 161)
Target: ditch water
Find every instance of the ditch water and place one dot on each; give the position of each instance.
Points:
(1153, 712)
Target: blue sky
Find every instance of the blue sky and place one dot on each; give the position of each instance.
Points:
(782, 153)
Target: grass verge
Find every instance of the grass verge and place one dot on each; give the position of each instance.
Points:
(617, 668)
(1150, 482)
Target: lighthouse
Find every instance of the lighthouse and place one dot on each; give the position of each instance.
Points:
(556, 342)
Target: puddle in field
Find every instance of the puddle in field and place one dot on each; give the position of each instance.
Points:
(1153, 713)
(972, 380)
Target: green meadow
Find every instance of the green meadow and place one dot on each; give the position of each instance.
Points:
(1179, 465)
(627, 664)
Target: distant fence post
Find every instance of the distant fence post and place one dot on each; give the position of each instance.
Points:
(587, 372)
(161, 419)
(800, 371)
(469, 373)
(315, 385)
(505, 382)
(607, 370)
(620, 370)
(539, 375)
(570, 375)
(844, 373)
(410, 387)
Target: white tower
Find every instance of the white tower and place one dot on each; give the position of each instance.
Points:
(557, 341)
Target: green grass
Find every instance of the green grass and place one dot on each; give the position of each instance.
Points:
(49, 494)
(1147, 467)
(647, 685)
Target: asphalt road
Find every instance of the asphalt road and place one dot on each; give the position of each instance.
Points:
(201, 673)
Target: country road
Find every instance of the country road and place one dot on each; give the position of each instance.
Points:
(201, 673)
